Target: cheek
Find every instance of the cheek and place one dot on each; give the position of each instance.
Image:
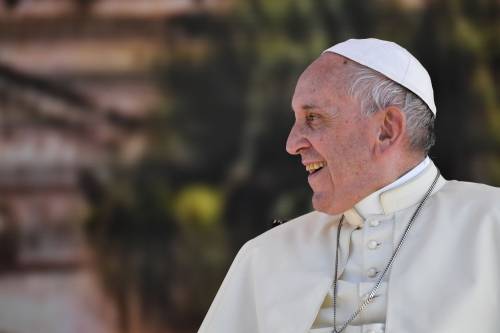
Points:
(359, 156)
(349, 157)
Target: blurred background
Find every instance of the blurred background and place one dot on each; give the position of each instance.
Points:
(142, 142)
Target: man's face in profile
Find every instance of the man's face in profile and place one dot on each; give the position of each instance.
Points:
(331, 135)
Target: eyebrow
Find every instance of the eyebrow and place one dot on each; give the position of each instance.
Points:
(309, 106)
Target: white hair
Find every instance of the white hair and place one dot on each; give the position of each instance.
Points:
(377, 92)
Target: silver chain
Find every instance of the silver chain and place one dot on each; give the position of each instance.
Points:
(371, 294)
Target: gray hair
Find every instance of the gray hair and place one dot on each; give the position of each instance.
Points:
(377, 92)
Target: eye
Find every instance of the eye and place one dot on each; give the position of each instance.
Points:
(311, 117)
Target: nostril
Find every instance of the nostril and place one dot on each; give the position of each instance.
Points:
(300, 146)
(295, 144)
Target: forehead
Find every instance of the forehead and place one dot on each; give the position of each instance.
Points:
(324, 80)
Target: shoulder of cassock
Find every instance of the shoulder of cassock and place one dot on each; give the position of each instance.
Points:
(284, 270)
(288, 269)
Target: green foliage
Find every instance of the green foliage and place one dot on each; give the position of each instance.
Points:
(198, 204)
(229, 80)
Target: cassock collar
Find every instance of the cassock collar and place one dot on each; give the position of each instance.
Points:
(291, 266)
(400, 194)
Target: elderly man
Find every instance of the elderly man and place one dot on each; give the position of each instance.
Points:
(391, 246)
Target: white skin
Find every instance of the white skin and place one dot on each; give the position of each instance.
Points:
(362, 153)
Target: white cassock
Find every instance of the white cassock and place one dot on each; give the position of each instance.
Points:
(446, 278)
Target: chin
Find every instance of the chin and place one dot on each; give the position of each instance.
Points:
(322, 202)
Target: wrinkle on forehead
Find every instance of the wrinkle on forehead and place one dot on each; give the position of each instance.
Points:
(323, 81)
(330, 69)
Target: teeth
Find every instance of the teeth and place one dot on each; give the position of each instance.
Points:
(314, 166)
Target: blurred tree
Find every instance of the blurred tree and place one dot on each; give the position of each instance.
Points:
(217, 173)
(11, 4)
(459, 47)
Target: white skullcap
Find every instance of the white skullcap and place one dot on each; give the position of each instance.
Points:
(391, 60)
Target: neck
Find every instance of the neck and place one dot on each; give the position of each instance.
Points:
(390, 172)
(372, 204)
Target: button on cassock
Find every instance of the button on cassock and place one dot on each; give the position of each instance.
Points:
(372, 272)
(373, 244)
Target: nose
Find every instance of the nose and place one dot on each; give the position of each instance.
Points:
(296, 141)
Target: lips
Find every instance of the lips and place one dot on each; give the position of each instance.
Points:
(314, 166)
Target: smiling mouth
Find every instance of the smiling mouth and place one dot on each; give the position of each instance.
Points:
(314, 167)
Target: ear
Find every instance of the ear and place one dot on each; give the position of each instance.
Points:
(391, 130)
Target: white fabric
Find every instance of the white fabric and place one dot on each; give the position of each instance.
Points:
(371, 204)
(355, 281)
(445, 279)
(391, 60)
